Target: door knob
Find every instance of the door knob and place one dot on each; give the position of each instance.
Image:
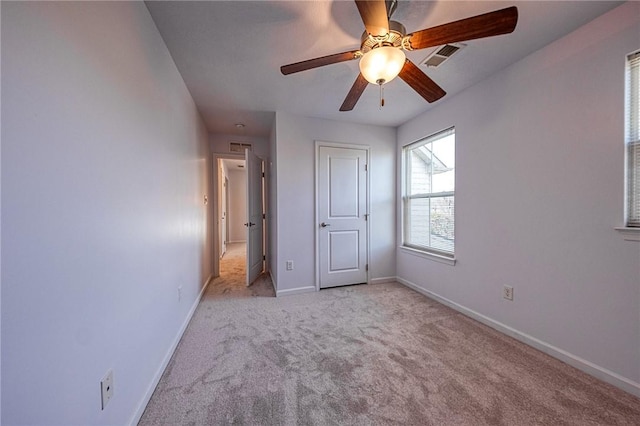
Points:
(324, 225)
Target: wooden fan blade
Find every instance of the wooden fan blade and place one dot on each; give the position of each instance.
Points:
(319, 62)
(374, 16)
(420, 82)
(489, 24)
(354, 94)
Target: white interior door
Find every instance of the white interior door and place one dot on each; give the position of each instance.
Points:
(254, 223)
(342, 216)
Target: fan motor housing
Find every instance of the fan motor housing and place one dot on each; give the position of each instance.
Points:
(397, 32)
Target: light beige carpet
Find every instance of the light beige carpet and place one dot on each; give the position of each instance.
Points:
(232, 281)
(368, 355)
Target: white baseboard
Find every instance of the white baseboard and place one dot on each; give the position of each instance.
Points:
(588, 367)
(292, 291)
(156, 378)
(382, 280)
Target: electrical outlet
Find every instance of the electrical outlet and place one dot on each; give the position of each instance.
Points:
(289, 265)
(507, 292)
(106, 388)
(179, 293)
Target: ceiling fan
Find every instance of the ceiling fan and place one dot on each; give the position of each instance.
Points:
(381, 50)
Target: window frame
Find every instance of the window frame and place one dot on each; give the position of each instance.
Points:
(632, 141)
(416, 249)
(631, 229)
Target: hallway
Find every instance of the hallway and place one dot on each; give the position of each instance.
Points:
(232, 280)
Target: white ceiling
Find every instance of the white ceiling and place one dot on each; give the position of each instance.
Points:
(230, 52)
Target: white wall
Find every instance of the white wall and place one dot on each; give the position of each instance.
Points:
(539, 190)
(295, 140)
(237, 205)
(105, 163)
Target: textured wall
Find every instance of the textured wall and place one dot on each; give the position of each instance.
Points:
(105, 164)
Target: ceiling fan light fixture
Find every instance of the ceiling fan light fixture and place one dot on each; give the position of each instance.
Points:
(382, 43)
(382, 64)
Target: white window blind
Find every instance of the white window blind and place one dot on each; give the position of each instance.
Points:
(633, 140)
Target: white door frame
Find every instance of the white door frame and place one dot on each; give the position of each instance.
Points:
(366, 148)
(254, 212)
(216, 206)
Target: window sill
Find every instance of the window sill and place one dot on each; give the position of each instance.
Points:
(629, 234)
(431, 256)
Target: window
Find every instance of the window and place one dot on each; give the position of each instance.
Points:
(632, 136)
(428, 194)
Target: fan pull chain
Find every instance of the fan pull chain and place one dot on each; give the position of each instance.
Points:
(381, 96)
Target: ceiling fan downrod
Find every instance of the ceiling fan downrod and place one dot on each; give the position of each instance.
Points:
(391, 7)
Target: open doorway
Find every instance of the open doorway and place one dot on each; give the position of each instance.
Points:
(232, 211)
(232, 205)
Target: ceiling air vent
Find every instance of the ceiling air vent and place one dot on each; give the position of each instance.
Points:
(239, 147)
(441, 54)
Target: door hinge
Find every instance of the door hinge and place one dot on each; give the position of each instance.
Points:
(264, 257)
(262, 174)
(366, 168)
(366, 268)
(264, 215)
(366, 216)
